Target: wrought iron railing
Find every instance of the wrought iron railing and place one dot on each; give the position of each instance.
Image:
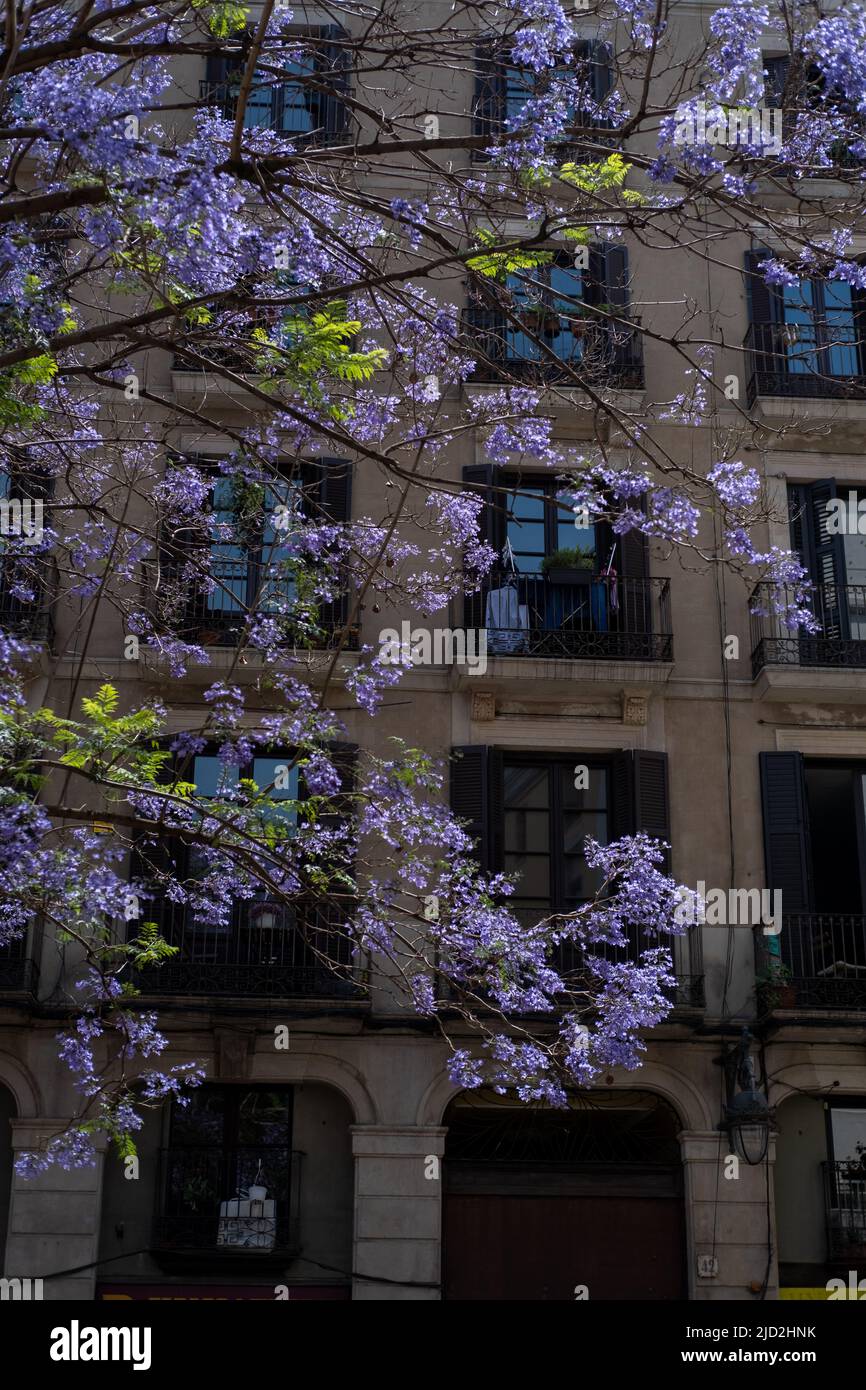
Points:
(687, 952)
(241, 586)
(204, 1200)
(824, 960)
(31, 617)
(19, 970)
(817, 359)
(268, 950)
(599, 352)
(318, 118)
(595, 617)
(839, 610)
(845, 1207)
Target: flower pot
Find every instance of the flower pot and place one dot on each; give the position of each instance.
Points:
(560, 575)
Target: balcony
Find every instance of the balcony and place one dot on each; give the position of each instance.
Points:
(268, 951)
(825, 953)
(845, 1209)
(29, 618)
(686, 994)
(594, 618)
(241, 586)
(19, 972)
(309, 118)
(210, 1204)
(839, 609)
(602, 354)
(817, 360)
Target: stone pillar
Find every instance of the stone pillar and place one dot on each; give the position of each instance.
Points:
(727, 1217)
(398, 1211)
(54, 1218)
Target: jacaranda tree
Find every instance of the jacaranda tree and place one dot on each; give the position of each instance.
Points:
(235, 230)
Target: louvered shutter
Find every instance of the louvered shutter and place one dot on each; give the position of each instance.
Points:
(828, 563)
(787, 855)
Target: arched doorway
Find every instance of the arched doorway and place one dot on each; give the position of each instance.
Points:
(541, 1202)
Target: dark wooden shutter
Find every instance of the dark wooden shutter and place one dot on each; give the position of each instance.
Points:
(601, 57)
(616, 286)
(639, 795)
(222, 68)
(776, 80)
(787, 855)
(827, 563)
(335, 489)
(333, 61)
(765, 304)
(470, 796)
(483, 478)
(488, 109)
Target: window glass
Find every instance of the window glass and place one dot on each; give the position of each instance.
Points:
(298, 114)
(229, 560)
(267, 772)
(848, 1127)
(212, 777)
(525, 527)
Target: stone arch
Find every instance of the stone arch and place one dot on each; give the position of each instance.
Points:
(297, 1065)
(679, 1091)
(22, 1084)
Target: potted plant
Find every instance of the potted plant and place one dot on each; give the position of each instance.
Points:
(775, 986)
(569, 566)
(541, 318)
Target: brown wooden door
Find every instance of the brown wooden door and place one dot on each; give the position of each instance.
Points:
(539, 1248)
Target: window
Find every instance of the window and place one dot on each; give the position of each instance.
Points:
(227, 1174)
(797, 87)
(557, 319)
(807, 339)
(546, 822)
(301, 97)
(825, 534)
(251, 546)
(265, 946)
(502, 89)
(815, 855)
(538, 524)
(529, 818)
(558, 590)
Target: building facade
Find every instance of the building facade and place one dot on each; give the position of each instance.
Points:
(740, 742)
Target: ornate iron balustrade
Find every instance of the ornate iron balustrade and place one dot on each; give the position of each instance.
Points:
(686, 993)
(241, 585)
(818, 359)
(597, 618)
(326, 111)
(839, 609)
(29, 617)
(825, 953)
(602, 353)
(268, 950)
(845, 1209)
(203, 1201)
(19, 971)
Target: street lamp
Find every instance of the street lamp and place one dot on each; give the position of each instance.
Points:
(747, 1114)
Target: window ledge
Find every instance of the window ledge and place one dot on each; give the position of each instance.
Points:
(800, 409)
(811, 683)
